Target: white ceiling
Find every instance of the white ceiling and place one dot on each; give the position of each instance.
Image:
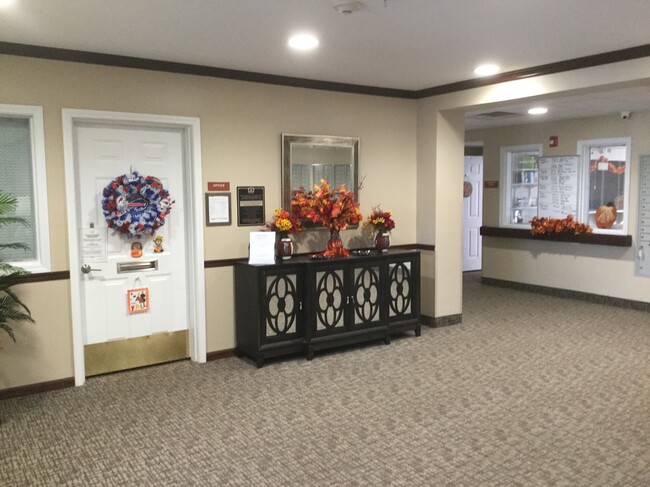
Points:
(403, 44)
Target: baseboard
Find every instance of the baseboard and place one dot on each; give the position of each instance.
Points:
(51, 385)
(568, 293)
(438, 321)
(219, 354)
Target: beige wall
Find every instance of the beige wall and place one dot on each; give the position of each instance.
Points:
(241, 125)
(589, 268)
(404, 147)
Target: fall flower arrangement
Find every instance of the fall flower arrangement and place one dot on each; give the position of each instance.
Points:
(332, 208)
(548, 226)
(379, 221)
(284, 223)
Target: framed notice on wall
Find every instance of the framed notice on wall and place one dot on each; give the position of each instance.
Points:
(217, 209)
(250, 205)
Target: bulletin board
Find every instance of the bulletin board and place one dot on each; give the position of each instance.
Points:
(558, 181)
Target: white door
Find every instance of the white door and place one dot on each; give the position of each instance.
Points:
(102, 154)
(473, 214)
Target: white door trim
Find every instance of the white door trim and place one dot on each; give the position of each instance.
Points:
(191, 128)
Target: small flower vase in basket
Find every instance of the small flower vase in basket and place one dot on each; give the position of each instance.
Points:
(380, 222)
(283, 224)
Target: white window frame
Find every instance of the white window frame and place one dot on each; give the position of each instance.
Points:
(505, 185)
(583, 208)
(41, 220)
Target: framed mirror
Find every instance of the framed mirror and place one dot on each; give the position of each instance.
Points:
(306, 159)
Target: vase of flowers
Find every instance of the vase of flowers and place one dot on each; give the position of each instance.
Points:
(380, 223)
(332, 208)
(283, 224)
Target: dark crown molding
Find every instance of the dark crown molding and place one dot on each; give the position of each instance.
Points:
(57, 54)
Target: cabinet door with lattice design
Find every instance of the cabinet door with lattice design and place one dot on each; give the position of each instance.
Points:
(283, 305)
(330, 300)
(403, 295)
(366, 288)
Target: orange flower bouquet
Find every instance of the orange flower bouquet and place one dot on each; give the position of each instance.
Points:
(284, 223)
(548, 226)
(332, 208)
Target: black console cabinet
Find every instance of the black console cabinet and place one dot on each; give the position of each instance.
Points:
(305, 305)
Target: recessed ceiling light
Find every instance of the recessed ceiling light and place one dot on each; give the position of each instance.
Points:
(538, 111)
(6, 3)
(303, 42)
(487, 70)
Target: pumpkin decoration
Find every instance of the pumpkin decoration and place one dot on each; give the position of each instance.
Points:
(605, 216)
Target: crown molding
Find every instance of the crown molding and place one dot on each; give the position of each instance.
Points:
(57, 54)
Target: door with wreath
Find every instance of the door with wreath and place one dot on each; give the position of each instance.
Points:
(132, 246)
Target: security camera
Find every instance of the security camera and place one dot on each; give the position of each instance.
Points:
(626, 115)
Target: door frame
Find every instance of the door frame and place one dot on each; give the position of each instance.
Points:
(193, 186)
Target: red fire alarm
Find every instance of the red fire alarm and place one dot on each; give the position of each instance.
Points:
(552, 141)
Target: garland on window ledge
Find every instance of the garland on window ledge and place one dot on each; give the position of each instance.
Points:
(135, 205)
(551, 226)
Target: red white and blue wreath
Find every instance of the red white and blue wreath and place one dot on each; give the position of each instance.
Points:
(136, 205)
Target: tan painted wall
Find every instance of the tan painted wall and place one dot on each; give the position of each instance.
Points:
(402, 143)
(241, 124)
(440, 143)
(589, 268)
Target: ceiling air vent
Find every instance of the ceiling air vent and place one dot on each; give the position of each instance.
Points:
(498, 115)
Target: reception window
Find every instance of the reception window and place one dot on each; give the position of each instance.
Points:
(606, 173)
(519, 185)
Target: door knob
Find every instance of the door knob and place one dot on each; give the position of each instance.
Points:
(86, 269)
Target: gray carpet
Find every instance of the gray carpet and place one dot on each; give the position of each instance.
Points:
(529, 390)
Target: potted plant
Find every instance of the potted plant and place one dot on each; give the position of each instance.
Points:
(284, 224)
(12, 309)
(380, 223)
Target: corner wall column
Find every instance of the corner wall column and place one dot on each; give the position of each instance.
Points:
(440, 209)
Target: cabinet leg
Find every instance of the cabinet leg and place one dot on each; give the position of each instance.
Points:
(259, 362)
(387, 338)
(310, 353)
(238, 353)
(418, 331)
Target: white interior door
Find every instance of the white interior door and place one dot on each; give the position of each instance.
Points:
(473, 214)
(102, 154)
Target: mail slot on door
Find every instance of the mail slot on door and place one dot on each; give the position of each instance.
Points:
(151, 265)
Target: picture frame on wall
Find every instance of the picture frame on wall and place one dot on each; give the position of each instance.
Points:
(250, 206)
(217, 209)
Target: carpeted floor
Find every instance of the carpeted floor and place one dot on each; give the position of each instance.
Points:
(529, 390)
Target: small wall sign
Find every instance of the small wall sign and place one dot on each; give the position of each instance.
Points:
(137, 300)
(491, 184)
(250, 205)
(219, 186)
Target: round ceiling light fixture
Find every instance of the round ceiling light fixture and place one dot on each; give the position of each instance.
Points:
(487, 70)
(303, 42)
(346, 8)
(537, 111)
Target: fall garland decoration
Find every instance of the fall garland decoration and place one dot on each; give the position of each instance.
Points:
(610, 167)
(135, 205)
(550, 226)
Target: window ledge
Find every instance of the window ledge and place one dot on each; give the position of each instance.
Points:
(585, 238)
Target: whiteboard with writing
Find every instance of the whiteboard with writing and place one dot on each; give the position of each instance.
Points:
(558, 186)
